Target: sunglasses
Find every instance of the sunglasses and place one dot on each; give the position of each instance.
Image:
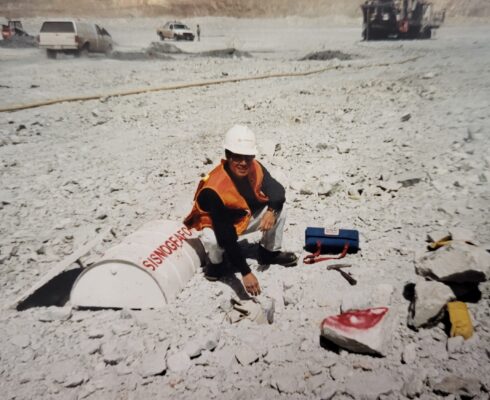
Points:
(240, 157)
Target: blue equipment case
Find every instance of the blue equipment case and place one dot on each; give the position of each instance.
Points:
(332, 240)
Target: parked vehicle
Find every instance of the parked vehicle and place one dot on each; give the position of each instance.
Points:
(175, 30)
(401, 19)
(74, 37)
(13, 28)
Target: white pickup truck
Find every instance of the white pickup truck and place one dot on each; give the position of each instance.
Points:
(73, 37)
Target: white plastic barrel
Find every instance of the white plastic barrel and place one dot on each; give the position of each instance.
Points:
(147, 269)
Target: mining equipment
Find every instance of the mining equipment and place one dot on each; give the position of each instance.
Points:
(13, 28)
(399, 19)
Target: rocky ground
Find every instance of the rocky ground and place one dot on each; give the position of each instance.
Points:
(343, 140)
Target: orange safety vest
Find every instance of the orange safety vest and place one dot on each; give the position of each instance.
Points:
(219, 181)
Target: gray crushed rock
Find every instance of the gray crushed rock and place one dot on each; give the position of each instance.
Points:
(456, 385)
(153, 364)
(52, 314)
(225, 53)
(413, 385)
(371, 386)
(112, 353)
(178, 362)
(327, 55)
(246, 355)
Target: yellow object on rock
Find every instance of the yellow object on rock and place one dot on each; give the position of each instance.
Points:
(440, 243)
(460, 318)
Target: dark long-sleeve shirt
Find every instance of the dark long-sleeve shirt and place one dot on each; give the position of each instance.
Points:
(223, 218)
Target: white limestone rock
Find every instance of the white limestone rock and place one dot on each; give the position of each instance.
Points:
(276, 355)
(455, 344)
(90, 347)
(153, 364)
(211, 341)
(429, 302)
(288, 380)
(112, 353)
(52, 314)
(413, 385)
(308, 188)
(455, 385)
(326, 393)
(409, 354)
(370, 386)
(328, 185)
(74, 379)
(120, 329)
(315, 382)
(87, 390)
(224, 357)
(21, 341)
(343, 147)
(429, 75)
(246, 355)
(269, 306)
(126, 313)
(457, 262)
(66, 372)
(276, 293)
(193, 348)
(95, 333)
(26, 356)
(204, 359)
(123, 369)
(179, 362)
(314, 367)
(362, 331)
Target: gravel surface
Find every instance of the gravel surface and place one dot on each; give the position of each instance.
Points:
(415, 112)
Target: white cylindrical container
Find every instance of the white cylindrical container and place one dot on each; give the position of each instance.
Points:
(147, 269)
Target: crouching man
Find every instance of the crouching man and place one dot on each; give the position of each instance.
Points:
(237, 197)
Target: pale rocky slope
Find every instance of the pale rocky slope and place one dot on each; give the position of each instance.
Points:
(237, 8)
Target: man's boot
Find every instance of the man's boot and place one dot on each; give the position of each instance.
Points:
(213, 272)
(284, 258)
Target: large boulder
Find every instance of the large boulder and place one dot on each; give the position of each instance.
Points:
(361, 331)
(429, 303)
(458, 262)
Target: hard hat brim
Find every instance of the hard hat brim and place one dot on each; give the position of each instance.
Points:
(241, 151)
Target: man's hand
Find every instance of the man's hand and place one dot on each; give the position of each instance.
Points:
(268, 220)
(251, 284)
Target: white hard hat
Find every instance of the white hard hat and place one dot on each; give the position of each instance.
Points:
(240, 140)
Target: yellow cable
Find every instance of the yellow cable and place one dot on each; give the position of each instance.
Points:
(186, 86)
